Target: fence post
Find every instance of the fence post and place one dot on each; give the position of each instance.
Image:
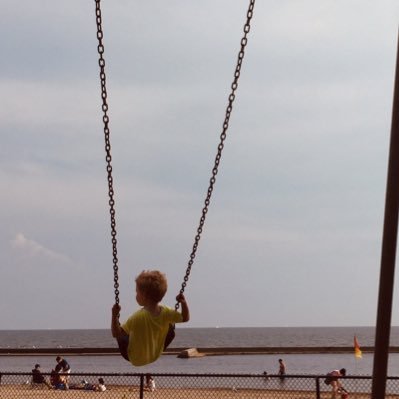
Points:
(142, 386)
(317, 387)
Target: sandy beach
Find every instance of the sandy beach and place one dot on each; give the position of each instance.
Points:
(125, 392)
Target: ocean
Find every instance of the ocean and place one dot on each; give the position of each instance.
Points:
(206, 337)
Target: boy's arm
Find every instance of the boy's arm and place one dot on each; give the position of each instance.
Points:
(116, 329)
(185, 312)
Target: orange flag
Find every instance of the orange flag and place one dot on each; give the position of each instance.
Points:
(358, 352)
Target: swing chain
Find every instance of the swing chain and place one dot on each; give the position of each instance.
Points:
(212, 181)
(108, 158)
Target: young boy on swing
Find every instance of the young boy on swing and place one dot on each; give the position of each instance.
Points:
(141, 338)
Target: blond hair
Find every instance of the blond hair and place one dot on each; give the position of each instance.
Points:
(152, 284)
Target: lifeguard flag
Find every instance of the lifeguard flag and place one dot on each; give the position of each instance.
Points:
(358, 352)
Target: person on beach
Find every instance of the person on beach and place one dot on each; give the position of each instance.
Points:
(63, 367)
(142, 337)
(149, 383)
(82, 385)
(38, 377)
(333, 380)
(100, 387)
(57, 381)
(281, 369)
(87, 386)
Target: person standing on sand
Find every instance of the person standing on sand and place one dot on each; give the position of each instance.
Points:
(149, 383)
(62, 365)
(281, 369)
(333, 380)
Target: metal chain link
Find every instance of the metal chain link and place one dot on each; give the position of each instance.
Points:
(108, 158)
(220, 147)
(212, 181)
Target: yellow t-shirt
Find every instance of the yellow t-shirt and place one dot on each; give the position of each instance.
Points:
(147, 334)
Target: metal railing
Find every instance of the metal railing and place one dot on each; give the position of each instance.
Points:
(190, 386)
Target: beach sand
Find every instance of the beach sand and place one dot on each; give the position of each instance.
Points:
(126, 392)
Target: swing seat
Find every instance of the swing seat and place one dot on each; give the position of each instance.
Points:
(170, 336)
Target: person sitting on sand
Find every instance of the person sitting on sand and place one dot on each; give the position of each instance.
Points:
(141, 338)
(57, 381)
(100, 387)
(38, 377)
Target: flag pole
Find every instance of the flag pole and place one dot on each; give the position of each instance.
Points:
(388, 253)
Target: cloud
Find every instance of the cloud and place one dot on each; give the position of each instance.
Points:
(42, 104)
(33, 250)
(300, 188)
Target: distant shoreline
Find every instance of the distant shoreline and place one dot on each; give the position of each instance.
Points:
(220, 351)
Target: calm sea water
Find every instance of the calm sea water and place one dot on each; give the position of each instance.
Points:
(206, 337)
(203, 337)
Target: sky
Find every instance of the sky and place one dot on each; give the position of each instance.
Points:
(294, 231)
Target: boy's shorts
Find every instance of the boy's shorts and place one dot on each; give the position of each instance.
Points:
(123, 344)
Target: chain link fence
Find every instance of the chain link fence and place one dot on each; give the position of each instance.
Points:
(189, 386)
